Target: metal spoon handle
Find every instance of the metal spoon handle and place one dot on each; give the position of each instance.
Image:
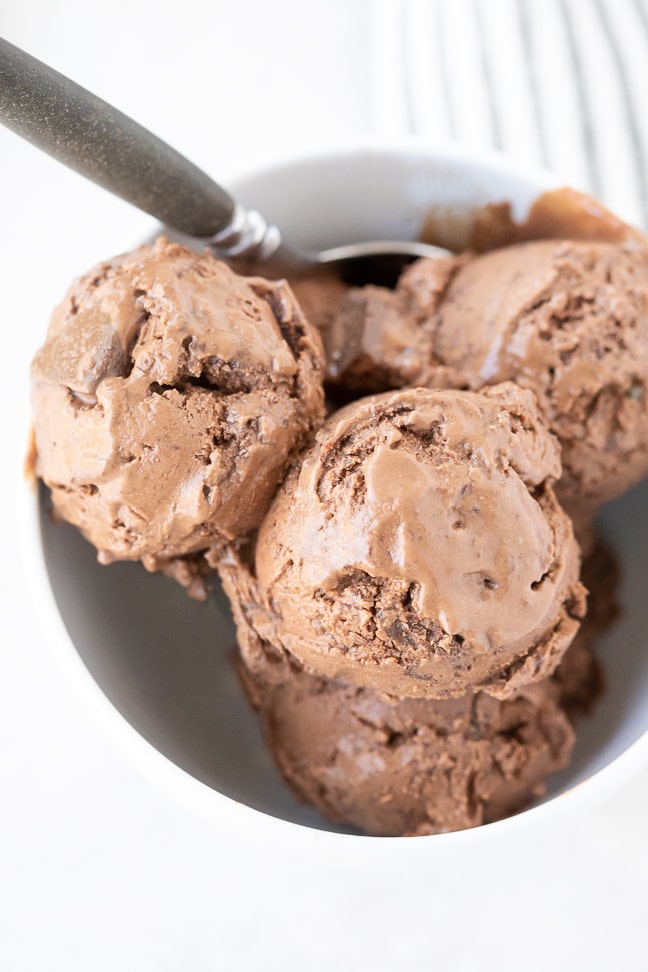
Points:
(92, 137)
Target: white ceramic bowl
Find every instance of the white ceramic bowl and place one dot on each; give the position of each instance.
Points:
(156, 667)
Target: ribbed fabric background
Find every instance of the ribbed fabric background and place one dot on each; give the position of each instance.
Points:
(562, 83)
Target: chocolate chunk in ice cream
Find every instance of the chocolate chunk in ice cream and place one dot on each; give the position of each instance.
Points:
(169, 399)
(419, 550)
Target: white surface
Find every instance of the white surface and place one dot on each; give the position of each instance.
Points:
(98, 868)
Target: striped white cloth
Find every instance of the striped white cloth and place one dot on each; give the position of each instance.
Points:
(561, 83)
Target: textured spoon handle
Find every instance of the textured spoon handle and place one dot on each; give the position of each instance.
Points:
(92, 137)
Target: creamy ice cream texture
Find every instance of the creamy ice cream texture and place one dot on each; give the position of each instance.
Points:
(169, 399)
(418, 550)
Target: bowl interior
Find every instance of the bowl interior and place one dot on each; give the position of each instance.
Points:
(165, 662)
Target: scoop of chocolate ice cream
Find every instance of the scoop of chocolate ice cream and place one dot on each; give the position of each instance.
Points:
(419, 549)
(570, 321)
(414, 767)
(391, 767)
(169, 399)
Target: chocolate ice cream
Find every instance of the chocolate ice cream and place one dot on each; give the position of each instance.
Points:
(378, 339)
(320, 292)
(419, 549)
(570, 321)
(405, 584)
(567, 319)
(392, 767)
(414, 767)
(579, 680)
(401, 767)
(170, 397)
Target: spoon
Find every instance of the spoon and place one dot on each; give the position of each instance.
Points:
(104, 145)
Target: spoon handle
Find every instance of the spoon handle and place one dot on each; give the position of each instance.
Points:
(90, 136)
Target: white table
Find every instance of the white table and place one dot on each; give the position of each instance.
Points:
(99, 870)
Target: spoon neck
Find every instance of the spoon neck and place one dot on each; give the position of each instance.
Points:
(247, 237)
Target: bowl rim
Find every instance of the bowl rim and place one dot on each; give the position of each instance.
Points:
(191, 793)
(400, 145)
